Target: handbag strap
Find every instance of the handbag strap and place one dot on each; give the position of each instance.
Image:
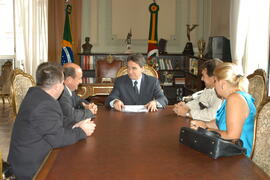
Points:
(208, 133)
(238, 142)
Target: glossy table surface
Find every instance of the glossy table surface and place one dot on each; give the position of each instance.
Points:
(141, 146)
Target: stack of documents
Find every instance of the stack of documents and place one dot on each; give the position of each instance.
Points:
(134, 108)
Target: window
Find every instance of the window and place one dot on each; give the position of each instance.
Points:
(6, 30)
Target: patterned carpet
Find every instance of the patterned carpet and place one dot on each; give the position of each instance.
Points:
(5, 128)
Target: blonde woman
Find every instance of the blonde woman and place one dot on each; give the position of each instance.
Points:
(235, 117)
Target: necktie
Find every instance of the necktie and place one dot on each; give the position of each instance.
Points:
(135, 87)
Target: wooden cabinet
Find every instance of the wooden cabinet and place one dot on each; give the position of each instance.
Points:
(94, 89)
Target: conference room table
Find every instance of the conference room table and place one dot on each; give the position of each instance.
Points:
(141, 146)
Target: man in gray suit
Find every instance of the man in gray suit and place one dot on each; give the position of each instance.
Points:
(38, 127)
(136, 88)
(74, 107)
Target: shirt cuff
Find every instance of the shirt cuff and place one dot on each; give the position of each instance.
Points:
(159, 105)
(112, 103)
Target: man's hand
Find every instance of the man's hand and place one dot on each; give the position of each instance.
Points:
(92, 107)
(87, 126)
(181, 103)
(152, 106)
(118, 105)
(195, 124)
(78, 124)
(181, 109)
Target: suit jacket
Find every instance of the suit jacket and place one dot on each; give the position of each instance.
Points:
(38, 128)
(150, 89)
(72, 108)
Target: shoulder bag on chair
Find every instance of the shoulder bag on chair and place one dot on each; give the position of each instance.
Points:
(210, 143)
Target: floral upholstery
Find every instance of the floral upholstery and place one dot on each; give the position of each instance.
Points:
(257, 86)
(147, 70)
(5, 81)
(261, 149)
(21, 82)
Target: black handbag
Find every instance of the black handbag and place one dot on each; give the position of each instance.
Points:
(210, 143)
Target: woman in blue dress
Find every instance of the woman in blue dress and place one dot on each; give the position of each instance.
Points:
(235, 117)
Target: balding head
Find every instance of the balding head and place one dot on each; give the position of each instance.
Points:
(70, 69)
(72, 75)
(69, 65)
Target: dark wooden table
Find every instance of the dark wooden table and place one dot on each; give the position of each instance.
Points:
(141, 146)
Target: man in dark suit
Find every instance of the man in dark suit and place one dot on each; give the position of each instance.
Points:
(74, 107)
(136, 88)
(38, 127)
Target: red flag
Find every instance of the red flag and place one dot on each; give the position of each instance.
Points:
(153, 34)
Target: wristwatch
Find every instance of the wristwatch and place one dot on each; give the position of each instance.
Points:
(187, 114)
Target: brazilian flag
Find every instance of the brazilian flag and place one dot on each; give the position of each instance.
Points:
(67, 54)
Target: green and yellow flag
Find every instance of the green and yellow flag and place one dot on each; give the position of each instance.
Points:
(67, 54)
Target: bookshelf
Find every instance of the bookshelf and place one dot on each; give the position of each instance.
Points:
(193, 82)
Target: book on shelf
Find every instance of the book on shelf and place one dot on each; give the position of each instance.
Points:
(168, 84)
(87, 80)
(193, 66)
(87, 62)
(167, 67)
(161, 64)
(165, 64)
(179, 80)
(170, 64)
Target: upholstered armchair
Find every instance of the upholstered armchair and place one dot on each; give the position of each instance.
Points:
(257, 86)
(261, 144)
(147, 70)
(5, 81)
(20, 83)
(106, 69)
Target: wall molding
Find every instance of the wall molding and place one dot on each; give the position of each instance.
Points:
(100, 27)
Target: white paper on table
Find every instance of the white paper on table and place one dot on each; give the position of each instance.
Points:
(134, 108)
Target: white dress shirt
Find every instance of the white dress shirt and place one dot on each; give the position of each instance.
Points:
(211, 102)
(70, 92)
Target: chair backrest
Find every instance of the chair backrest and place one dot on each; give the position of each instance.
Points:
(149, 70)
(20, 83)
(257, 86)
(261, 143)
(106, 69)
(5, 77)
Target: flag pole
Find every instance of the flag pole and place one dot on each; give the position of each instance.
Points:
(67, 54)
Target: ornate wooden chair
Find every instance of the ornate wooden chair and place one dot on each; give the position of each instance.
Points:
(257, 86)
(106, 69)
(261, 142)
(5, 81)
(20, 83)
(147, 70)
